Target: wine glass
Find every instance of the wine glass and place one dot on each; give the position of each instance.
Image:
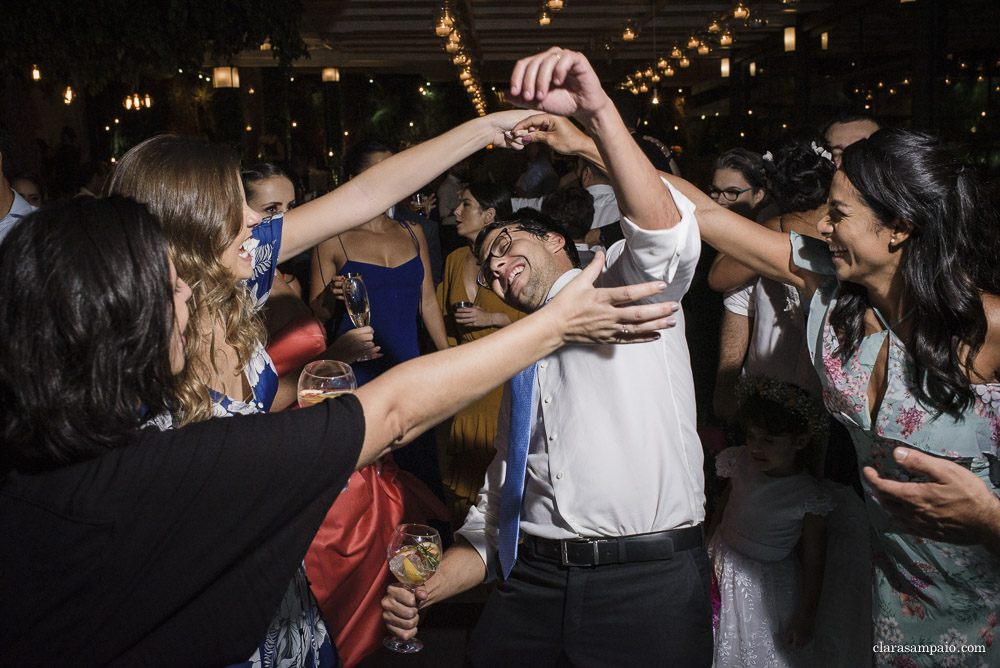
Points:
(414, 555)
(356, 300)
(325, 379)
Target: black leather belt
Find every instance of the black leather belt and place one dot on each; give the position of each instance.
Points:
(618, 550)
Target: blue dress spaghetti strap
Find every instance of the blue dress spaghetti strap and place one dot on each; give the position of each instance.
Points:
(394, 296)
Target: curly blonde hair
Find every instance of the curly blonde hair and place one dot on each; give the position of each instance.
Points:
(193, 187)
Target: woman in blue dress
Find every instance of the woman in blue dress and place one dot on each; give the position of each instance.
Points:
(393, 261)
(226, 252)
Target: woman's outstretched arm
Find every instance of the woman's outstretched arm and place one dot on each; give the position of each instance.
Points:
(376, 189)
(414, 396)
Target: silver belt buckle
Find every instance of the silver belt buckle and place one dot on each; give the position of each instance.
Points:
(564, 552)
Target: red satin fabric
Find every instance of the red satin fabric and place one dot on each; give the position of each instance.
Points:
(347, 563)
(296, 343)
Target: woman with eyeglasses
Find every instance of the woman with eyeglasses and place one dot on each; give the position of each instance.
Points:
(762, 324)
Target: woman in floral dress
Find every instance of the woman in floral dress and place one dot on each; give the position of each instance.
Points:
(904, 331)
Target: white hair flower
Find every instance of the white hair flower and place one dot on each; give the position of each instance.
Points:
(767, 157)
(819, 150)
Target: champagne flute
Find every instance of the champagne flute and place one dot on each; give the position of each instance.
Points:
(417, 201)
(356, 300)
(325, 379)
(414, 555)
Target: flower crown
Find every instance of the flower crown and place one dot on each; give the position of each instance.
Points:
(789, 396)
(817, 149)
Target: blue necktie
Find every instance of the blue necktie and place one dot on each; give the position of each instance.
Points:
(522, 390)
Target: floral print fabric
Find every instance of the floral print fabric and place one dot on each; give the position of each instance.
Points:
(924, 592)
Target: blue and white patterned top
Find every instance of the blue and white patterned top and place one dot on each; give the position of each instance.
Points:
(298, 636)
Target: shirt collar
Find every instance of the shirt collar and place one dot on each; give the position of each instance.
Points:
(601, 189)
(19, 207)
(562, 281)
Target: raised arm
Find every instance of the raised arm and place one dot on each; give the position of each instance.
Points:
(563, 82)
(765, 252)
(762, 250)
(376, 189)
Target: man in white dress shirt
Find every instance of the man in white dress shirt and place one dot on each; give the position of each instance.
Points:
(611, 569)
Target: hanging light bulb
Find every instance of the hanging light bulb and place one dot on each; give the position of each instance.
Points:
(726, 39)
(466, 73)
(714, 26)
(148, 100)
(128, 103)
(668, 71)
(634, 90)
(740, 11)
(643, 87)
(36, 74)
(676, 52)
(684, 62)
(648, 72)
(68, 95)
(554, 5)
(543, 17)
(703, 49)
(656, 97)
(454, 42)
(444, 20)
(662, 63)
(693, 42)
(629, 31)
(655, 78)
(459, 58)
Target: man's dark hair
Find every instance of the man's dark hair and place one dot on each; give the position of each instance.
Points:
(573, 207)
(851, 117)
(86, 319)
(534, 222)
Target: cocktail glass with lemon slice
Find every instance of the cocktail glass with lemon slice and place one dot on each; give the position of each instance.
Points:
(414, 555)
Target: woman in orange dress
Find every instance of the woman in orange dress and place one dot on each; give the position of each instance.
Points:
(471, 313)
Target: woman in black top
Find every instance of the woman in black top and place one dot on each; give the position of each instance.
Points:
(129, 546)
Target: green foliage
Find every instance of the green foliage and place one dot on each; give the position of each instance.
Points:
(92, 44)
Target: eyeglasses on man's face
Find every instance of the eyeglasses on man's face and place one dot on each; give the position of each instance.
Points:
(497, 249)
(731, 194)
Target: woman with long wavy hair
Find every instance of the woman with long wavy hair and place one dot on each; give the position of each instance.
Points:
(904, 331)
(227, 252)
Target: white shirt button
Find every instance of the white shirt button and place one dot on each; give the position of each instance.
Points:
(559, 476)
(553, 437)
(542, 365)
(547, 400)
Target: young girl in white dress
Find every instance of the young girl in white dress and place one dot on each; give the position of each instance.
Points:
(769, 548)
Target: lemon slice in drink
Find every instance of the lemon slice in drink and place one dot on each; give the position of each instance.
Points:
(412, 573)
